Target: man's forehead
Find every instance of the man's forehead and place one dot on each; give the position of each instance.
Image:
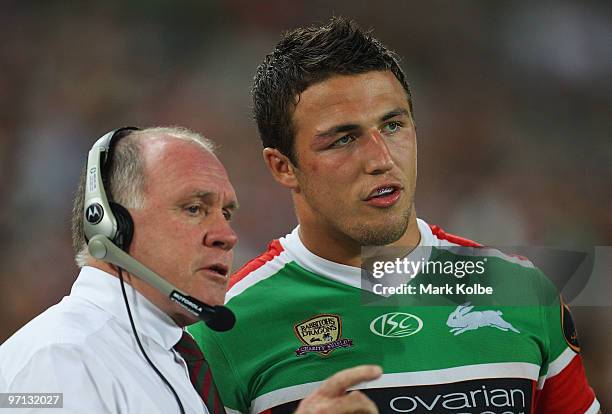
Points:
(187, 166)
(345, 85)
(168, 156)
(349, 98)
(163, 148)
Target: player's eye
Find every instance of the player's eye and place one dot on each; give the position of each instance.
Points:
(392, 127)
(345, 140)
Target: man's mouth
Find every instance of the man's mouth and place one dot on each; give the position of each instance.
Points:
(384, 196)
(218, 269)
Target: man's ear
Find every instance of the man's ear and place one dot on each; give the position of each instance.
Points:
(281, 168)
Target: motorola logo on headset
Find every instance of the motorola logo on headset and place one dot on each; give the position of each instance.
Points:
(94, 213)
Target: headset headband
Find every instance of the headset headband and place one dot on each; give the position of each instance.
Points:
(98, 214)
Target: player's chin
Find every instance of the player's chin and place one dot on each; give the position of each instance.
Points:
(383, 232)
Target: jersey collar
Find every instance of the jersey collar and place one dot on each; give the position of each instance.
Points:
(348, 275)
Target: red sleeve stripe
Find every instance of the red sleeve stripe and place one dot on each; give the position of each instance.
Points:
(558, 365)
(567, 392)
(442, 235)
(533, 399)
(274, 249)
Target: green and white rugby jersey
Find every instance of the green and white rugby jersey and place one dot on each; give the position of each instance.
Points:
(301, 318)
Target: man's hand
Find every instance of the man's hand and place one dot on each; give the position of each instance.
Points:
(331, 397)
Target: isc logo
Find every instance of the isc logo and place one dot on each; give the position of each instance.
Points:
(396, 325)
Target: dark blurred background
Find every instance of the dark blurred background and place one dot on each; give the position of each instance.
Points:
(512, 104)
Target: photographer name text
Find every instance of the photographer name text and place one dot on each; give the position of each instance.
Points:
(430, 289)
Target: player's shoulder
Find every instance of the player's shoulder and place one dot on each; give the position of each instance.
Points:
(501, 264)
(274, 250)
(442, 237)
(464, 246)
(271, 263)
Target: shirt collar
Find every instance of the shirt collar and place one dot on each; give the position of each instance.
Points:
(104, 290)
(348, 275)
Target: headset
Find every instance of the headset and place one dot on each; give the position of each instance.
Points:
(108, 228)
(108, 219)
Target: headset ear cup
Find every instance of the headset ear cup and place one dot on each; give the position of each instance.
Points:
(125, 226)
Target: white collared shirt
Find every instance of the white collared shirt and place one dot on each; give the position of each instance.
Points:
(84, 348)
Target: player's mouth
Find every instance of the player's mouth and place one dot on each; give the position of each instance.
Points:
(384, 196)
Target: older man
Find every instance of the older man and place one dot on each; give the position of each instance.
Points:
(116, 344)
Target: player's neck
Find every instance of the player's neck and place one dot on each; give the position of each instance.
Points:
(339, 248)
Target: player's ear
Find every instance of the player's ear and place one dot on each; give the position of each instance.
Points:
(281, 168)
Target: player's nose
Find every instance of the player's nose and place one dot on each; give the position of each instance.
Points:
(377, 155)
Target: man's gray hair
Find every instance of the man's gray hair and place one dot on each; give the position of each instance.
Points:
(126, 178)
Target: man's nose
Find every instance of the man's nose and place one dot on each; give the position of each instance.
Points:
(377, 155)
(219, 234)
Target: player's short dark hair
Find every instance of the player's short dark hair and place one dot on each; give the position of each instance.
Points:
(306, 56)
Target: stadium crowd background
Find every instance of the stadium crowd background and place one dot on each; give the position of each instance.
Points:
(512, 105)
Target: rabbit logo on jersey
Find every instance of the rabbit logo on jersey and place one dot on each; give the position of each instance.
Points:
(462, 320)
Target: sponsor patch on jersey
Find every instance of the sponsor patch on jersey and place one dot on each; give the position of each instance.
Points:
(396, 325)
(321, 334)
(483, 396)
(569, 328)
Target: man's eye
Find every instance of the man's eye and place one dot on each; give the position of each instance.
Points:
(392, 127)
(194, 209)
(227, 214)
(347, 139)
